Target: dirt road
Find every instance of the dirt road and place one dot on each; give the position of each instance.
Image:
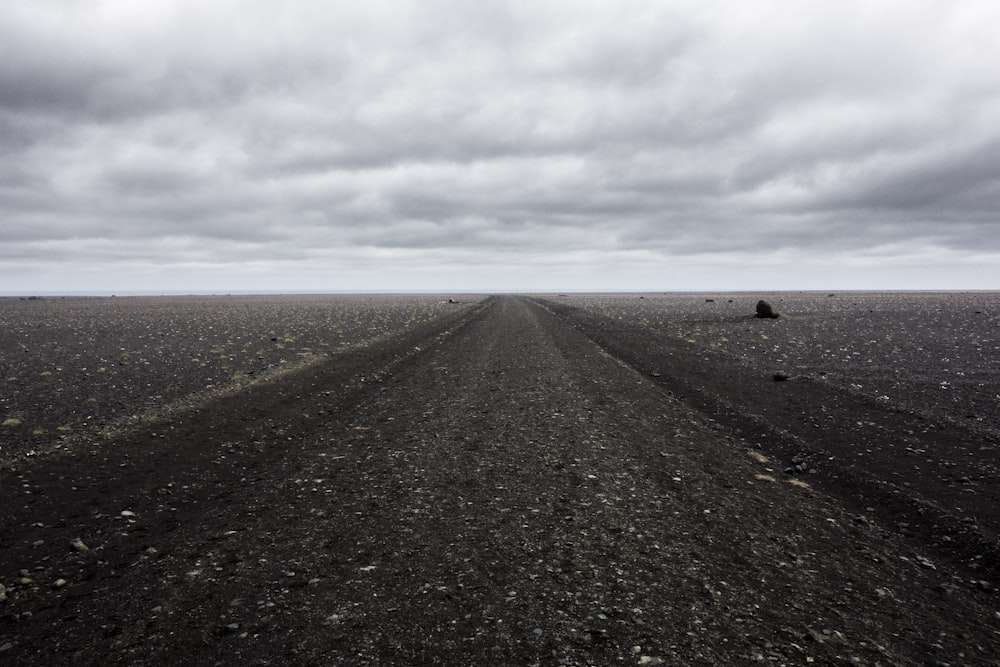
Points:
(488, 488)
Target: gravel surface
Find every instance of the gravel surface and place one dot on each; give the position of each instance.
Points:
(508, 483)
(72, 366)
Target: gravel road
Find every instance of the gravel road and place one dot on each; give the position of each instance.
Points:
(490, 487)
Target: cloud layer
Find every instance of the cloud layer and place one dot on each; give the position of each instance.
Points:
(498, 145)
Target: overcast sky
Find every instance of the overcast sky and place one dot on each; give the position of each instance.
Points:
(498, 145)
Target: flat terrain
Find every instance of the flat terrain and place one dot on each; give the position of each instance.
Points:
(548, 480)
(73, 366)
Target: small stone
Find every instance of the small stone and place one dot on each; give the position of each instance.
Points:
(3, 593)
(128, 513)
(59, 583)
(537, 632)
(765, 311)
(78, 544)
(984, 585)
(650, 660)
(6, 646)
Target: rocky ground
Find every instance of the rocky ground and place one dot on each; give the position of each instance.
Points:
(70, 367)
(516, 481)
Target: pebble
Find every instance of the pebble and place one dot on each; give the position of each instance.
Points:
(78, 544)
(3, 593)
(59, 583)
(128, 513)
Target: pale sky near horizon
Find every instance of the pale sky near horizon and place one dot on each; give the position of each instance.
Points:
(498, 145)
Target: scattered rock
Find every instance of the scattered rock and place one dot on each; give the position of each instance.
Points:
(765, 311)
(59, 583)
(78, 544)
(127, 514)
(3, 593)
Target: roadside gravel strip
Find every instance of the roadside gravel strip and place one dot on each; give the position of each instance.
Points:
(923, 474)
(487, 488)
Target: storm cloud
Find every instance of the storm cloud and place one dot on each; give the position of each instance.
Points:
(498, 145)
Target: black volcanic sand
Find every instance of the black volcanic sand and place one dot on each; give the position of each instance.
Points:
(71, 366)
(893, 401)
(537, 481)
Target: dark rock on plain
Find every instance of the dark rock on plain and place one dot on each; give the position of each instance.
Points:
(765, 310)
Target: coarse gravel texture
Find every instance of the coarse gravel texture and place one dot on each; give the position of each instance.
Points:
(72, 366)
(506, 483)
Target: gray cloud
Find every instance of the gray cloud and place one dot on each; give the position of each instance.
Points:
(575, 144)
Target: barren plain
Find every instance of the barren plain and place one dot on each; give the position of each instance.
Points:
(553, 480)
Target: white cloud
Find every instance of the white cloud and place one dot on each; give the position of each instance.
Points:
(301, 142)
